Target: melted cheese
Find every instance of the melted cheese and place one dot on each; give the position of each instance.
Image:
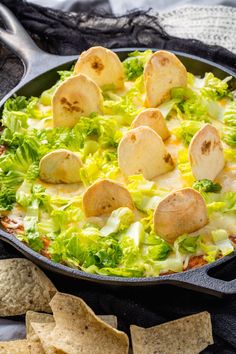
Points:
(65, 190)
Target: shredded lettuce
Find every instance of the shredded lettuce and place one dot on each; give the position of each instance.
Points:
(168, 106)
(186, 244)
(136, 233)
(205, 185)
(101, 164)
(191, 106)
(199, 104)
(144, 193)
(15, 166)
(36, 197)
(131, 249)
(220, 202)
(229, 117)
(125, 108)
(148, 225)
(221, 240)
(182, 93)
(23, 194)
(117, 272)
(119, 220)
(186, 130)
(214, 88)
(220, 245)
(159, 252)
(7, 196)
(209, 250)
(14, 116)
(174, 263)
(229, 135)
(184, 167)
(134, 64)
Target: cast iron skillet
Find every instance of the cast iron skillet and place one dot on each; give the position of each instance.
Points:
(41, 73)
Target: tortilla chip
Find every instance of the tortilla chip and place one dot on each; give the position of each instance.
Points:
(23, 287)
(43, 332)
(20, 347)
(37, 317)
(109, 319)
(187, 335)
(79, 330)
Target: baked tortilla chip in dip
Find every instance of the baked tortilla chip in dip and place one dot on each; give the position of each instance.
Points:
(103, 66)
(77, 96)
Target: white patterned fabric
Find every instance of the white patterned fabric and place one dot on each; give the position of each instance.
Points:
(210, 24)
(214, 25)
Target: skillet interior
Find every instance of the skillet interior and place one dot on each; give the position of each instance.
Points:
(198, 278)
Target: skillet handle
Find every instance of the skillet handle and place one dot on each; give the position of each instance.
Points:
(35, 60)
(201, 279)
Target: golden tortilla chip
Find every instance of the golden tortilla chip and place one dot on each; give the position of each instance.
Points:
(23, 287)
(187, 335)
(109, 319)
(20, 347)
(79, 330)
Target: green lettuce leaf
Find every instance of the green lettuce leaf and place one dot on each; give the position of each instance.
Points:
(174, 263)
(168, 106)
(134, 64)
(186, 130)
(220, 202)
(229, 117)
(186, 244)
(144, 193)
(16, 113)
(7, 195)
(184, 167)
(220, 245)
(118, 272)
(119, 220)
(209, 250)
(103, 164)
(214, 88)
(207, 186)
(221, 240)
(135, 232)
(125, 108)
(229, 135)
(85, 248)
(191, 106)
(158, 252)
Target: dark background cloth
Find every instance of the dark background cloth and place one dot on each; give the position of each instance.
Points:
(70, 33)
